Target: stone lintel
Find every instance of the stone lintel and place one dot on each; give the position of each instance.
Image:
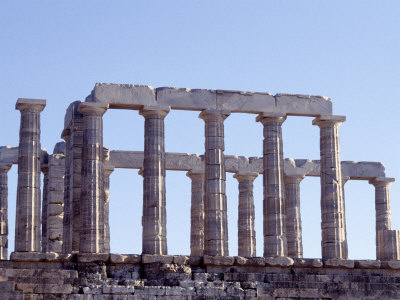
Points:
(328, 120)
(34, 104)
(5, 167)
(129, 96)
(92, 108)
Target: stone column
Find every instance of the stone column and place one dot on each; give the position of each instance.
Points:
(197, 214)
(107, 173)
(246, 215)
(76, 171)
(275, 243)
(334, 242)
(92, 201)
(154, 239)
(4, 211)
(45, 171)
(27, 227)
(55, 199)
(383, 214)
(67, 226)
(215, 208)
(293, 215)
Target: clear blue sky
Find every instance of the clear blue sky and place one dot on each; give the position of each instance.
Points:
(347, 50)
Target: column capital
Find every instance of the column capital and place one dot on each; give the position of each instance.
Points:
(108, 169)
(36, 105)
(161, 111)
(245, 176)
(4, 168)
(295, 178)
(214, 114)
(265, 117)
(92, 108)
(106, 154)
(195, 174)
(382, 181)
(44, 168)
(66, 134)
(324, 121)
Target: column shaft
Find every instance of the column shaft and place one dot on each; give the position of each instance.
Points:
(334, 242)
(92, 201)
(154, 239)
(27, 227)
(215, 208)
(197, 214)
(293, 216)
(4, 211)
(45, 171)
(275, 243)
(67, 225)
(383, 227)
(107, 173)
(55, 200)
(246, 215)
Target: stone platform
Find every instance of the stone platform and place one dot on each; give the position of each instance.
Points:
(114, 276)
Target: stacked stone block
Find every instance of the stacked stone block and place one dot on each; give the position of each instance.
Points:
(4, 211)
(293, 216)
(154, 239)
(334, 242)
(246, 215)
(215, 208)
(27, 227)
(275, 243)
(92, 197)
(197, 213)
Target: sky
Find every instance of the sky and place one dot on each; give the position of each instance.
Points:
(346, 50)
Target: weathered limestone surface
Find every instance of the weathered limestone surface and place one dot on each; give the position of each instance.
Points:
(107, 174)
(275, 243)
(197, 214)
(334, 243)
(135, 96)
(27, 227)
(55, 203)
(92, 198)
(180, 277)
(45, 171)
(67, 224)
(215, 208)
(293, 216)
(4, 211)
(246, 215)
(154, 238)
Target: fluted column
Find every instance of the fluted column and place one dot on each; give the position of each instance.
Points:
(383, 215)
(197, 214)
(107, 173)
(4, 211)
(215, 208)
(92, 200)
(154, 239)
(333, 225)
(246, 215)
(27, 227)
(55, 203)
(67, 226)
(293, 215)
(45, 171)
(275, 243)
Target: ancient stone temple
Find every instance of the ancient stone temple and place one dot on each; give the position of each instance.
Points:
(62, 232)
